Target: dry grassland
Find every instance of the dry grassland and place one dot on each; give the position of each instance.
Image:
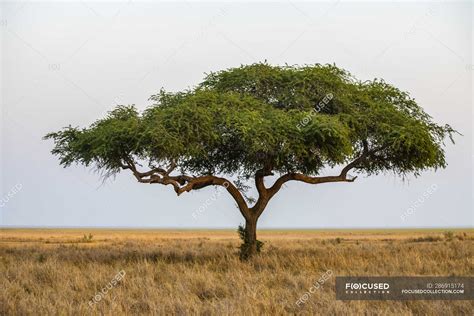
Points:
(179, 272)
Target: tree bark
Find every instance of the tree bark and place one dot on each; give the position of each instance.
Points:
(251, 236)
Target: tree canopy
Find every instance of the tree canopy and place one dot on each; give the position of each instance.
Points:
(285, 119)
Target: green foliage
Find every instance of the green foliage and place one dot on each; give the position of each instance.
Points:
(244, 247)
(241, 119)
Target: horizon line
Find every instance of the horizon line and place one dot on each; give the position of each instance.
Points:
(228, 228)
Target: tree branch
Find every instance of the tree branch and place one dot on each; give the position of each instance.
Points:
(184, 183)
(259, 180)
(342, 177)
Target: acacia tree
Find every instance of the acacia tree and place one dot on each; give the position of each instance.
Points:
(257, 121)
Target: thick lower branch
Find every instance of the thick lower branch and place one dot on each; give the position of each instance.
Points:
(306, 179)
(342, 177)
(184, 183)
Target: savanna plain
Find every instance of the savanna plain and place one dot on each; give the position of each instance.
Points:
(198, 272)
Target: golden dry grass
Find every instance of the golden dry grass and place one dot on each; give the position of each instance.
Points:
(58, 272)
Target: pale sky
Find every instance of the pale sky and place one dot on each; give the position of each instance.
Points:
(69, 63)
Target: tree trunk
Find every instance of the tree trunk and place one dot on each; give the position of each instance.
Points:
(251, 237)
